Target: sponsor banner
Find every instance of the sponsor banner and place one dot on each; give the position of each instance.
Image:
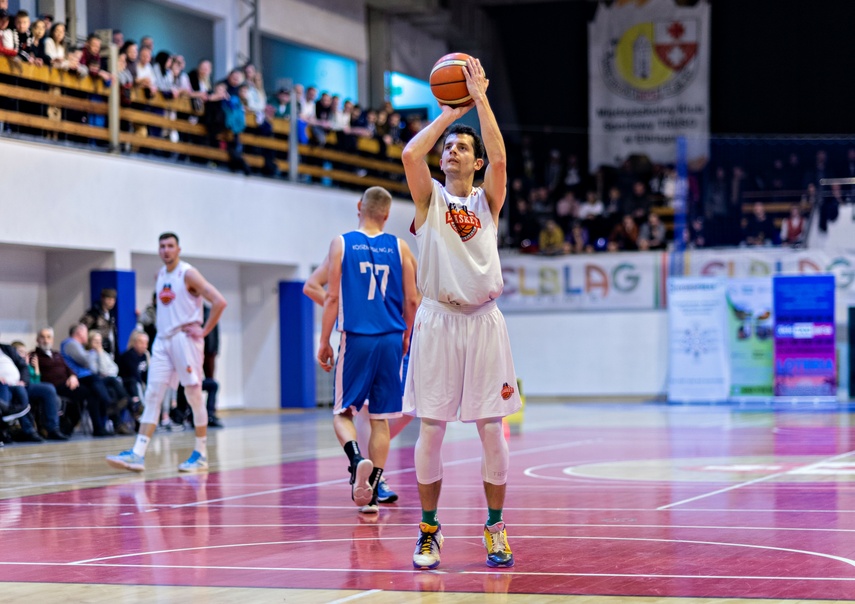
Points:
(589, 282)
(648, 80)
(804, 336)
(750, 337)
(698, 369)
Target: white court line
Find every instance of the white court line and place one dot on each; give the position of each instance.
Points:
(392, 473)
(356, 596)
(90, 561)
(756, 480)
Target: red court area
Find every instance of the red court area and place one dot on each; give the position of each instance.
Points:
(681, 504)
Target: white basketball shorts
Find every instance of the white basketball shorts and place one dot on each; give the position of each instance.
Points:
(177, 358)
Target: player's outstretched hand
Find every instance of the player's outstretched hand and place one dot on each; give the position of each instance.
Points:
(325, 357)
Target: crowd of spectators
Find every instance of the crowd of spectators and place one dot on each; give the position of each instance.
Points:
(87, 385)
(556, 208)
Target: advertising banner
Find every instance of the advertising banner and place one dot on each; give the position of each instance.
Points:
(648, 80)
(698, 369)
(750, 338)
(804, 337)
(589, 282)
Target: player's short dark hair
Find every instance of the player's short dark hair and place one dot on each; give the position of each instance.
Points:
(168, 235)
(477, 143)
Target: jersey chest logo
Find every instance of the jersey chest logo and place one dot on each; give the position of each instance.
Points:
(464, 222)
(166, 295)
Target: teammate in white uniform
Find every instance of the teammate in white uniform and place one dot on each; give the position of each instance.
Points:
(176, 354)
(460, 361)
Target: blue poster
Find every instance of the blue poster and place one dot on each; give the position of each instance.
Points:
(804, 336)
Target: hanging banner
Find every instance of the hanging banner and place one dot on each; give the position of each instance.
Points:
(750, 338)
(589, 282)
(804, 337)
(698, 368)
(648, 81)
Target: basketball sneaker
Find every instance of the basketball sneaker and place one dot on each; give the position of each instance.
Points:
(428, 547)
(195, 463)
(361, 490)
(384, 493)
(127, 460)
(371, 508)
(496, 542)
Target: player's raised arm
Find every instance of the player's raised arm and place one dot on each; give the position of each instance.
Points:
(199, 286)
(495, 176)
(325, 351)
(314, 286)
(415, 154)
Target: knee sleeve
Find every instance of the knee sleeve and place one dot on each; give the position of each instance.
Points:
(429, 451)
(496, 458)
(154, 394)
(194, 399)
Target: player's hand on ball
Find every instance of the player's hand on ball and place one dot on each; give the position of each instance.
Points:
(325, 357)
(476, 79)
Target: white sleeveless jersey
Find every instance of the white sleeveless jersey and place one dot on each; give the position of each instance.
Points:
(458, 251)
(176, 306)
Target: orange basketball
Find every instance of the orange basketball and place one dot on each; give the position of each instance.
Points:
(447, 80)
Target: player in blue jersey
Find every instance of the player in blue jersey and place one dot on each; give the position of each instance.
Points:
(372, 297)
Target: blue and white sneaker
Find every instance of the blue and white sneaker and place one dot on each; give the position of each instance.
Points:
(127, 460)
(195, 463)
(384, 493)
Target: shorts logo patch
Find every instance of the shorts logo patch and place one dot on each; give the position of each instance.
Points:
(190, 370)
(507, 391)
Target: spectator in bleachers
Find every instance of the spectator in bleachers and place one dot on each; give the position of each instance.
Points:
(7, 45)
(145, 75)
(526, 228)
(551, 239)
(118, 38)
(776, 177)
(39, 30)
(591, 208)
(256, 99)
(624, 236)
(22, 38)
(393, 131)
(573, 174)
(307, 106)
(101, 318)
(818, 171)
(92, 58)
(578, 240)
(43, 398)
(793, 227)
(200, 80)
(131, 52)
(177, 79)
(323, 119)
(652, 234)
(413, 126)
(792, 176)
(53, 370)
(300, 96)
(808, 200)
(76, 358)
(638, 202)
(147, 42)
(282, 104)
(566, 210)
(829, 207)
(161, 65)
(694, 235)
(759, 230)
(553, 175)
(55, 46)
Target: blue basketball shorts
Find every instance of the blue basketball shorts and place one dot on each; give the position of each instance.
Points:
(369, 367)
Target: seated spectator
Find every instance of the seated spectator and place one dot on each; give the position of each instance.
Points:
(106, 368)
(577, 240)
(145, 75)
(76, 358)
(829, 207)
(256, 99)
(591, 208)
(638, 203)
(413, 126)
(133, 369)
(652, 234)
(624, 237)
(393, 130)
(14, 377)
(694, 235)
(526, 228)
(54, 371)
(759, 230)
(45, 402)
(551, 239)
(566, 210)
(323, 119)
(101, 318)
(793, 227)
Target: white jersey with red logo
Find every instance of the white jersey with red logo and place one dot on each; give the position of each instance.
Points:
(458, 251)
(176, 306)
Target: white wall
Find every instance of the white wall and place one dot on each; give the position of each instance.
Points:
(590, 353)
(317, 26)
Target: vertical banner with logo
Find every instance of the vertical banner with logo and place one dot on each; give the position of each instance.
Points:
(804, 337)
(649, 81)
(698, 368)
(750, 335)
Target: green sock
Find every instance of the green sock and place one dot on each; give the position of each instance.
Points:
(429, 517)
(493, 516)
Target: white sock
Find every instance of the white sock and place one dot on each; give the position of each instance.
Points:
(202, 445)
(141, 445)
